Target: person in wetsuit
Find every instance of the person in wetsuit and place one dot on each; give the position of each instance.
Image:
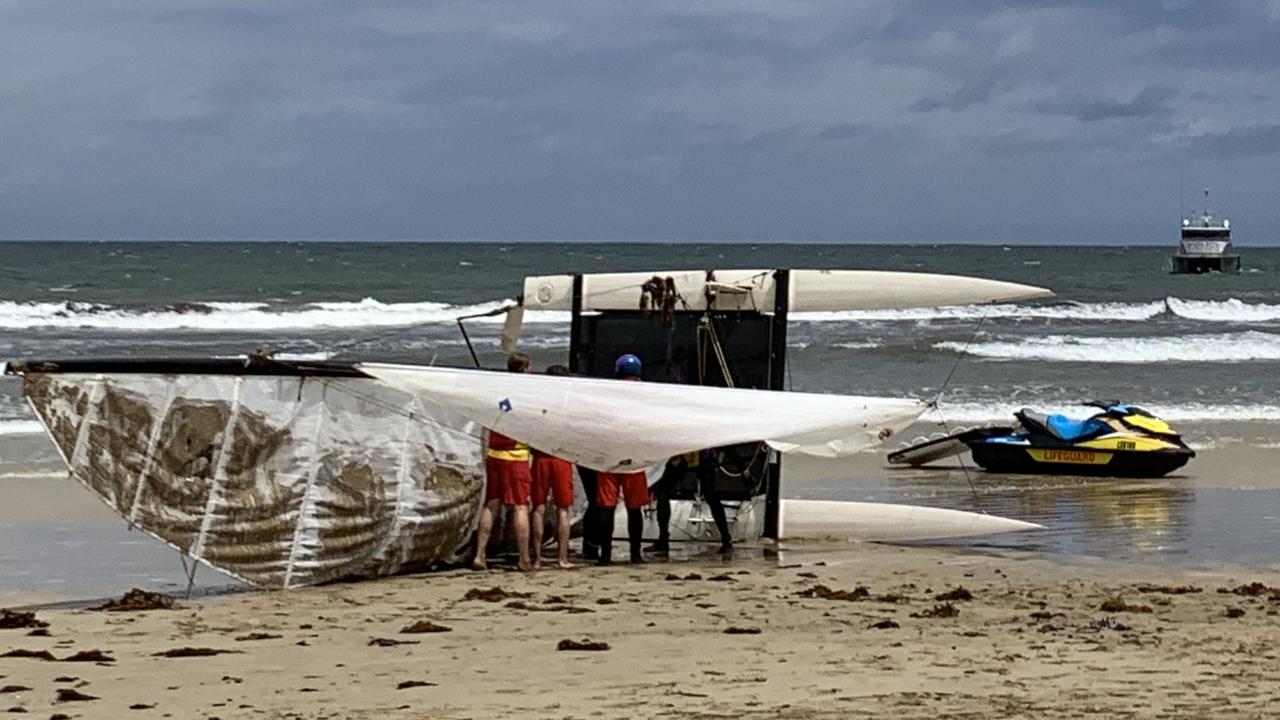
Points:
(591, 518)
(704, 465)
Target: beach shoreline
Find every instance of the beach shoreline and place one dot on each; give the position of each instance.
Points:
(59, 542)
(792, 637)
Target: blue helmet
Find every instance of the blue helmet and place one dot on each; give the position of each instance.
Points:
(628, 366)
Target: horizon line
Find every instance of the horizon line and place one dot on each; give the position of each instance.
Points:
(603, 241)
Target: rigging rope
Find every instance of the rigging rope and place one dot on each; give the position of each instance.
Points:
(706, 335)
(936, 404)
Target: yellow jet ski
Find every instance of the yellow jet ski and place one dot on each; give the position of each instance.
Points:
(1120, 440)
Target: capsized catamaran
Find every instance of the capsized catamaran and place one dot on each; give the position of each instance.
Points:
(286, 474)
(728, 328)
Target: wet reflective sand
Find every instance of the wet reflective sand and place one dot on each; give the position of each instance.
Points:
(1224, 508)
(58, 541)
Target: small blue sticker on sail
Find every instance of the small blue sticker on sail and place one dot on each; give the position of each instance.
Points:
(504, 405)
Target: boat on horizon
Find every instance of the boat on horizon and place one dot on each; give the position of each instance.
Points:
(1205, 245)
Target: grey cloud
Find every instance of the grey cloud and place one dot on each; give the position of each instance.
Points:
(750, 119)
(843, 131)
(1153, 100)
(973, 93)
(1247, 142)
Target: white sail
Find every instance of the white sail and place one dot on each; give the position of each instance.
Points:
(615, 425)
(280, 481)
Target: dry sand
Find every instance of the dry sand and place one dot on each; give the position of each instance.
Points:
(1033, 641)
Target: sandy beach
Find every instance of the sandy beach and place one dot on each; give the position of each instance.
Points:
(821, 631)
(1128, 605)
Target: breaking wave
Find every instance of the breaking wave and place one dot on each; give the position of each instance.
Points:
(20, 427)
(372, 313)
(1231, 310)
(1226, 347)
(245, 317)
(857, 344)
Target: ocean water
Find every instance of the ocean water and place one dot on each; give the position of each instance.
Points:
(1203, 351)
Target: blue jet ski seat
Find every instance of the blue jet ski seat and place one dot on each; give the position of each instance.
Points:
(1061, 426)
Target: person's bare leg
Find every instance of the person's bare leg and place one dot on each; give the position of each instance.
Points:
(487, 514)
(520, 516)
(562, 537)
(536, 520)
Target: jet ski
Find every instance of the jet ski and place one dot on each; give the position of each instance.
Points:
(1120, 440)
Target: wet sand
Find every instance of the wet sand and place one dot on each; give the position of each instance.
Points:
(57, 541)
(701, 638)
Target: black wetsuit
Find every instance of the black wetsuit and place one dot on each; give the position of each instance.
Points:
(591, 520)
(707, 484)
(664, 488)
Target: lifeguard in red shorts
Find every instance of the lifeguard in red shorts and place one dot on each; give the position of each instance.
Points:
(552, 478)
(634, 486)
(508, 483)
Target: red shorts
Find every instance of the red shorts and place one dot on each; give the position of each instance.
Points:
(635, 489)
(508, 481)
(553, 476)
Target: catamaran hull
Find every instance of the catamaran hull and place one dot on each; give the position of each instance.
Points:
(886, 522)
(825, 520)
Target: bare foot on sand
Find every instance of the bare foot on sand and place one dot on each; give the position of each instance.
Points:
(566, 565)
(479, 565)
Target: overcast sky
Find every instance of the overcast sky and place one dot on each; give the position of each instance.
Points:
(867, 120)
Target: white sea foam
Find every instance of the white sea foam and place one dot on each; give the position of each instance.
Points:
(856, 344)
(20, 427)
(372, 313)
(1002, 412)
(246, 317)
(1224, 347)
(1231, 310)
(31, 475)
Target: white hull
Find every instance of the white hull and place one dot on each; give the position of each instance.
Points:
(823, 520)
(885, 522)
(809, 290)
